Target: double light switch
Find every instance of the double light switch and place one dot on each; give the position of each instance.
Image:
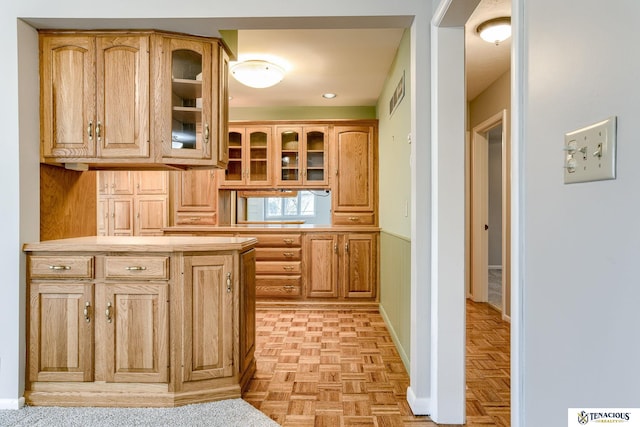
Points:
(590, 152)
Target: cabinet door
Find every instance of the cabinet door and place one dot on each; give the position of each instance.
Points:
(60, 333)
(120, 216)
(103, 216)
(187, 99)
(208, 329)
(135, 331)
(151, 215)
(247, 288)
(68, 96)
(354, 165)
(235, 167)
(152, 182)
(316, 158)
(122, 73)
(321, 256)
(359, 266)
(289, 155)
(258, 156)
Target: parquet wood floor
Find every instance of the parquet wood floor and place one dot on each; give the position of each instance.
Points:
(341, 368)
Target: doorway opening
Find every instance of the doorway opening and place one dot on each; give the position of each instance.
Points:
(489, 244)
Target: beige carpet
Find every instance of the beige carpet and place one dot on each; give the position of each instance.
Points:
(225, 413)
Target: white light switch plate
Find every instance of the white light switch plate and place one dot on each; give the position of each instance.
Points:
(590, 152)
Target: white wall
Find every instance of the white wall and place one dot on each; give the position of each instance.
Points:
(580, 243)
(19, 220)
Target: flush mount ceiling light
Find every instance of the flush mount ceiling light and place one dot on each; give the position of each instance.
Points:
(257, 73)
(329, 95)
(495, 30)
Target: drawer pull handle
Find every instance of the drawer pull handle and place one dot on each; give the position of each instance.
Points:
(90, 130)
(228, 283)
(288, 254)
(136, 268)
(98, 129)
(288, 241)
(288, 288)
(59, 267)
(335, 248)
(206, 133)
(86, 311)
(288, 267)
(353, 218)
(108, 312)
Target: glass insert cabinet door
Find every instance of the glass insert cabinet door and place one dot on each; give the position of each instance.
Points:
(190, 99)
(249, 156)
(302, 156)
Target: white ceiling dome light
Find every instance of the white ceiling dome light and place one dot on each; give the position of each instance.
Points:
(257, 73)
(495, 30)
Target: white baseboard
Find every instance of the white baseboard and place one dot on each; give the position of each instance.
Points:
(394, 337)
(419, 406)
(12, 403)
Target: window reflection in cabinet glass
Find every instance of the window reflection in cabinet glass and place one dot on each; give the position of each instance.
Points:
(186, 85)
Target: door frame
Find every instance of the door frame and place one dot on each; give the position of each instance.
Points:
(478, 172)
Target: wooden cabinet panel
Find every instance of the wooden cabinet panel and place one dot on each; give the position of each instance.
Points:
(121, 217)
(151, 183)
(68, 93)
(278, 267)
(122, 128)
(136, 267)
(302, 156)
(60, 337)
(116, 183)
(322, 265)
(135, 332)
(288, 240)
(250, 157)
(151, 216)
(360, 265)
(247, 289)
(354, 163)
(194, 197)
(279, 286)
(277, 254)
(61, 267)
(208, 332)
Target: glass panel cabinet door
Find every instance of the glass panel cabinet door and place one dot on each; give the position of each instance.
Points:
(289, 155)
(190, 99)
(234, 173)
(315, 144)
(258, 159)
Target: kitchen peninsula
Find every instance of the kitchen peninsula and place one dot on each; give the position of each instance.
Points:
(139, 321)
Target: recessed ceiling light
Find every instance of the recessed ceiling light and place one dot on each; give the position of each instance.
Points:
(329, 95)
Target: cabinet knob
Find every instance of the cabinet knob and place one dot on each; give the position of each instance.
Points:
(287, 267)
(288, 254)
(288, 241)
(288, 288)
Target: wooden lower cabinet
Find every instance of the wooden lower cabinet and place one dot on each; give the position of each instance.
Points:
(119, 327)
(342, 266)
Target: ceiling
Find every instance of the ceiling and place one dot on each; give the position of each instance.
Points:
(353, 63)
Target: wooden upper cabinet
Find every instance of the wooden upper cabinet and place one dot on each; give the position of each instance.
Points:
(355, 191)
(122, 78)
(250, 153)
(110, 98)
(302, 156)
(68, 100)
(194, 197)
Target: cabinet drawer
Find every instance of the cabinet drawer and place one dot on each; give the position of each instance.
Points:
(279, 240)
(195, 218)
(275, 267)
(76, 267)
(278, 286)
(349, 218)
(278, 254)
(140, 267)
